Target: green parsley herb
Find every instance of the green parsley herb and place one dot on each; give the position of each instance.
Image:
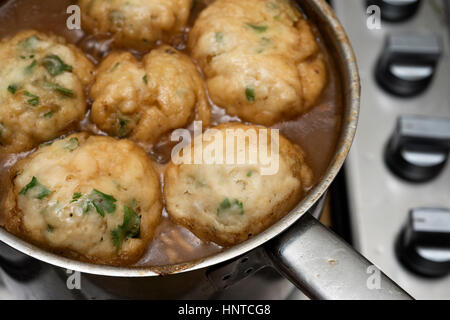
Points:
(230, 206)
(30, 67)
(76, 196)
(102, 202)
(123, 130)
(49, 115)
(257, 28)
(64, 91)
(219, 37)
(72, 144)
(13, 88)
(29, 43)
(265, 41)
(38, 190)
(34, 100)
(225, 204)
(130, 227)
(250, 93)
(115, 66)
(54, 65)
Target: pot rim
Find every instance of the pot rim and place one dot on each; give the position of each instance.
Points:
(351, 85)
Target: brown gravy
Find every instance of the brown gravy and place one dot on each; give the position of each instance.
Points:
(316, 132)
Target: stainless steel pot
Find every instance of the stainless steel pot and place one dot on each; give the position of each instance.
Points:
(298, 246)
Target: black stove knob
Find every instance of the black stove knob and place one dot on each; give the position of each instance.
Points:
(408, 63)
(396, 10)
(418, 149)
(423, 246)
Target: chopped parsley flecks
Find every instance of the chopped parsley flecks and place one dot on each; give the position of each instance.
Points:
(36, 189)
(257, 28)
(123, 129)
(72, 144)
(12, 88)
(86, 205)
(265, 41)
(29, 57)
(230, 206)
(50, 228)
(102, 202)
(130, 227)
(76, 196)
(225, 204)
(49, 115)
(250, 94)
(29, 43)
(54, 65)
(145, 79)
(30, 67)
(64, 91)
(114, 67)
(249, 173)
(219, 37)
(34, 99)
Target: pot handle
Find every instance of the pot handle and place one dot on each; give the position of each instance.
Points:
(324, 266)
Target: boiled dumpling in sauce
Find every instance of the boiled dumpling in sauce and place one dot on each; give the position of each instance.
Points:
(137, 24)
(229, 203)
(92, 198)
(143, 100)
(260, 58)
(42, 82)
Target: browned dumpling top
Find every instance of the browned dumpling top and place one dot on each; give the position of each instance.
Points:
(42, 82)
(89, 197)
(260, 58)
(137, 24)
(143, 100)
(229, 202)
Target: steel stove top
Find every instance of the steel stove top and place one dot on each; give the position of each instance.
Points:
(379, 201)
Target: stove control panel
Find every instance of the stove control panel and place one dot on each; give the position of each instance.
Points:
(423, 245)
(418, 149)
(402, 140)
(408, 63)
(396, 10)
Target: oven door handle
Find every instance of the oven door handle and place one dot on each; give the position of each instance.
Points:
(324, 266)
